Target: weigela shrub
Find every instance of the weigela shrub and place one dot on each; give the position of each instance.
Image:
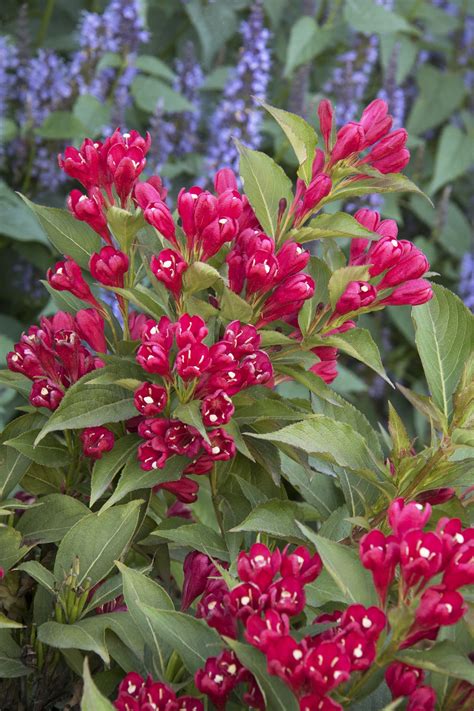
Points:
(158, 463)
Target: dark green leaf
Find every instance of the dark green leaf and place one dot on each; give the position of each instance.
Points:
(443, 658)
(61, 125)
(52, 518)
(275, 517)
(198, 537)
(49, 452)
(106, 468)
(92, 699)
(147, 91)
(368, 17)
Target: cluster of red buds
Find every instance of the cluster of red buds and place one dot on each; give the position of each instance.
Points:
(138, 694)
(188, 369)
(108, 171)
(53, 354)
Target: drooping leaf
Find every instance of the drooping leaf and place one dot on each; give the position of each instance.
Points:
(444, 658)
(265, 184)
(38, 572)
(444, 334)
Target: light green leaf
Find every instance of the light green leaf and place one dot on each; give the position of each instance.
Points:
(106, 468)
(306, 41)
(92, 699)
(11, 548)
(337, 224)
(275, 517)
(68, 235)
(97, 540)
(444, 334)
(428, 111)
(149, 64)
(61, 125)
(147, 91)
(18, 222)
(146, 299)
(368, 17)
(232, 306)
(192, 639)
(359, 344)
(444, 658)
(389, 183)
(426, 406)
(7, 624)
(52, 518)
(265, 184)
(301, 135)
(454, 155)
(199, 276)
(92, 113)
(343, 565)
(190, 414)
(89, 407)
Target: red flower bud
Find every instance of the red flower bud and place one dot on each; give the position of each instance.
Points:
(402, 680)
(150, 399)
(229, 204)
(349, 140)
(224, 180)
(357, 295)
(186, 203)
(149, 191)
(420, 557)
(190, 330)
(109, 266)
(326, 118)
(439, 607)
(291, 258)
(325, 369)
(422, 699)
(256, 369)
(393, 163)
(197, 568)
(413, 292)
(436, 496)
(217, 409)
(125, 165)
(90, 326)
(185, 490)
(380, 555)
(168, 267)
(96, 441)
(412, 265)
(192, 361)
(67, 276)
(89, 209)
(288, 297)
(317, 190)
(403, 518)
(375, 121)
(159, 216)
(82, 164)
(260, 272)
(45, 394)
(383, 254)
(327, 666)
(460, 569)
(390, 154)
(152, 454)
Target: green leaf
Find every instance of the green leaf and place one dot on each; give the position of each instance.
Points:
(38, 572)
(146, 299)
(454, 155)
(232, 306)
(138, 588)
(198, 537)
(92, 113)
(311, 381)
(17, 221)
(306, 41)
(49, 452)
(13, 466)
(444, 658)
(368, 17)
(342, 277)
(214, 23)
(149, 64)
(426, 406)
(16, 381)
(336, 224)
(301, 135)
(401, 442)
(68, 235)
(265, 184)
(11, 668)
(190, 414)
(97, 540)
(52, 518)
(359, 344)
(428, 111)
(89, 407)
(389, 183)
(124, 225)
(134, 478)
(444, 334)
(7, 624)
(92, 699)
(147, 91)
(192, 639)
(336, 441)
(61, 125)
(110, 464)
(87, 635)
(277, 695)
(200, 276)
(343, 565)
(275, 517)
(11, 548)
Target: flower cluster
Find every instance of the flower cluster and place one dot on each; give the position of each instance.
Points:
(269, 599)
(138, 694)
(54, 356)
(189, 369)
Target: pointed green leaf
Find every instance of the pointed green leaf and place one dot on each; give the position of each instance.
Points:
(444, 658)
(106, 468)
(337, 224)
(92, 699)
(302, 137)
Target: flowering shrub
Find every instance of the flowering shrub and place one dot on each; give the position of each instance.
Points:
(158, 462)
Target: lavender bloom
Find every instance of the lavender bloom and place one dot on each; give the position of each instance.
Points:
(466, 280)
(177, 133)
(8, 67)
(47, 85)
(237, 115)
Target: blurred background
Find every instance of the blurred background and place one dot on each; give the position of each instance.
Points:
(186, 70)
